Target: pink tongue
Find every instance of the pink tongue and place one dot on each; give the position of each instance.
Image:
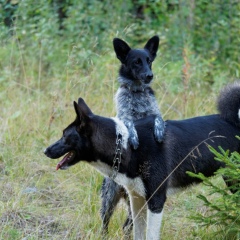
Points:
(65, 160)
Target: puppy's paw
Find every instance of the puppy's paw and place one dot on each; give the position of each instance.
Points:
(158, 134)
(133, 139)
(159, 130)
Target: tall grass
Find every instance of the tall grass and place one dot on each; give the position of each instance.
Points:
(38, 83)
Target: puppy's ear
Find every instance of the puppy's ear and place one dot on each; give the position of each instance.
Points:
(121, 49)
(152, 46)
(83, 112)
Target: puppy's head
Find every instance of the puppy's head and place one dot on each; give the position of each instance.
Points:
(136, 63)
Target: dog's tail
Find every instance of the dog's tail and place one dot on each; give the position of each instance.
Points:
(228, 103)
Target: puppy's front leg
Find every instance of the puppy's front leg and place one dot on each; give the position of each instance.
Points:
(133, 137)
(159, 128)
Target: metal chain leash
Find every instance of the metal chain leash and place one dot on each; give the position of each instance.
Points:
(118, 156)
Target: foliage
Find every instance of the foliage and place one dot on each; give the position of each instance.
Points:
(210, 28)
(224, 209)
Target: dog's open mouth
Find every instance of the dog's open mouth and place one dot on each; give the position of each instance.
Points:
(63, 164)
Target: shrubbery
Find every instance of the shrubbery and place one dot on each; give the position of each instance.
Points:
(223, 214)
(210, 28)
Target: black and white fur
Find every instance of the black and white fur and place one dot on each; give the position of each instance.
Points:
(148, 172)
(134, 100)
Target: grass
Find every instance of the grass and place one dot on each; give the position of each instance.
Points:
(36, 96)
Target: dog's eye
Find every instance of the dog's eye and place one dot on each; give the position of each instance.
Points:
(149, 61)
(137, 62)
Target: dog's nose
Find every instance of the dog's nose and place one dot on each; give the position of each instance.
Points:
(45, 151)
(149, 77)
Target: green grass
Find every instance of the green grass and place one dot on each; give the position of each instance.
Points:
(36, 96)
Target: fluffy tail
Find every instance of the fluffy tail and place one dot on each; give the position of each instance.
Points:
(228, 103)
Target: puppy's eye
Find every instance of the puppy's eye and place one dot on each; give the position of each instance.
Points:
(137, 62)
(149, 61)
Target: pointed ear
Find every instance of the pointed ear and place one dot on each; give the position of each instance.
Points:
(83, 112)
(152, 46)
(77, 110)
(121, 49)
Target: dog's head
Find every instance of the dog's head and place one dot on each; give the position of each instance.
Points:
(74, 143)
(136, 63)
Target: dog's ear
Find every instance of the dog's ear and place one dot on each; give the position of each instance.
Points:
(121, 49)
(82, 110)
(152, 46)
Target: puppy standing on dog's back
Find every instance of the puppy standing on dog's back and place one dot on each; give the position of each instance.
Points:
(134, 100)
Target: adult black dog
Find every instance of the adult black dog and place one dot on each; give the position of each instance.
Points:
(148, 172)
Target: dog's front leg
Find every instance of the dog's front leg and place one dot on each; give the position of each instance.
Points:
(159, 127)
(133, 137)
(154, 221)
(139, 215)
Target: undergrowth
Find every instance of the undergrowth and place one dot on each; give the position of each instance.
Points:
(222, 212)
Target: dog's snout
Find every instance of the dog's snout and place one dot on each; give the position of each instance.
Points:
(45, 151)
(149, 77)
(49, 153)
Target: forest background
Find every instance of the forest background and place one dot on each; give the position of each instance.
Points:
(53, 52)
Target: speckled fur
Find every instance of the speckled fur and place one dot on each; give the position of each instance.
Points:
(133, 105)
